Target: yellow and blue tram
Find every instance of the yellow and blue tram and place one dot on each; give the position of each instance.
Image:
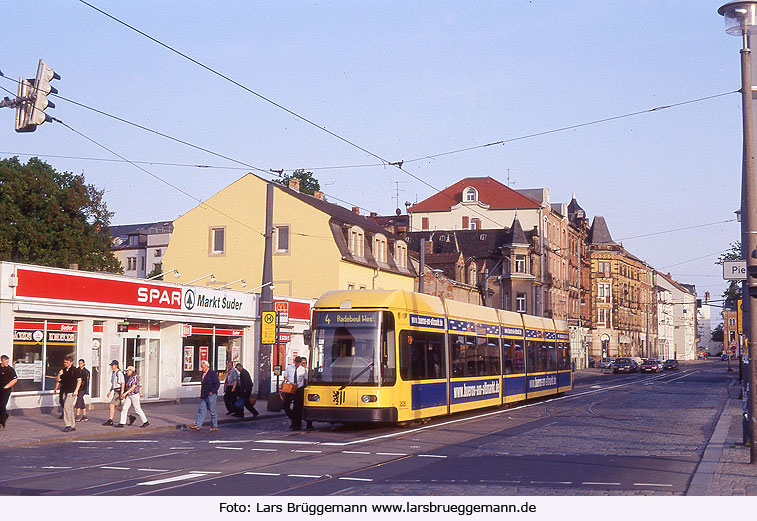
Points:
(396, 356)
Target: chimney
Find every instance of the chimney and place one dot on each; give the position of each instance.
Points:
(294, 184)
(706, 297)
(356, 210)
(429, 247)
(318, 195)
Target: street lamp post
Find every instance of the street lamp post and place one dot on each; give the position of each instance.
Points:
(741, 20)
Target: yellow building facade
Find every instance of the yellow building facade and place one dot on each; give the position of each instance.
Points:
(317, 246)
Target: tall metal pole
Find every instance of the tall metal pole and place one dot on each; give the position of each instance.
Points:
(266, 295)
(749, 232)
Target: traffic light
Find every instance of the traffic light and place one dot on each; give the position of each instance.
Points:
(31, 113)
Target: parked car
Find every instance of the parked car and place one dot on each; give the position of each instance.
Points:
(591, 361)
(651, 365)
(605, 363)
(625, 365)
(671, 365)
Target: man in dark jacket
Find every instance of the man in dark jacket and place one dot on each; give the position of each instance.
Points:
(245, 390)
(208, 397)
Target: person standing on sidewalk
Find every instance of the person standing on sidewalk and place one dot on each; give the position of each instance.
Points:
(208, 397)
(60, 396)
(132, 397)
(83, 390)
(8, 379)
(70, 382)
(230, 388)
(290, 376)
(245, 390)
(117, 383)
(299, 396)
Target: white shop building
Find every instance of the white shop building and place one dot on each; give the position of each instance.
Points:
(164, 330)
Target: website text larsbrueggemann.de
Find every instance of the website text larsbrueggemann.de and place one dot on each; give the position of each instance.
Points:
(408, 507)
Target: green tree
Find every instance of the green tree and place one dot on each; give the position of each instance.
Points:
(52, 218)
(308, 183)
(733, 291)
(718, 333)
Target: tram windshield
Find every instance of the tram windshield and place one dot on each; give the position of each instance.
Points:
(353, 348)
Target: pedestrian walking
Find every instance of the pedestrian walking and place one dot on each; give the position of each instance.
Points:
(117, 384)
(231, 388)
(208, 397)
(245, 392)
(299, 396)
(289, 388)
(70, 382)
(132, 397)
(8, 379)
(81, 407)
(304, 365)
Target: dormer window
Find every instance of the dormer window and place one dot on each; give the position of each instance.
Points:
(357, 238)
(472, 279)
(470, 195)
(400, 254)
(379, 248)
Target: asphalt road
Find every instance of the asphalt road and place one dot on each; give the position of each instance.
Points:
(613, 434)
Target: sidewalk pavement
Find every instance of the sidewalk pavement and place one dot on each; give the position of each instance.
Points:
(32, 427)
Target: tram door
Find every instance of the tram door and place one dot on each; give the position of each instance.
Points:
(143, 354)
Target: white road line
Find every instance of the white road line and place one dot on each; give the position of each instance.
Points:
(153, 470)
(354, 452)
(205, 471)
(598, 483)
(302, 476)
(356, 479)
(116, 468)
(391, 454)
(52, 467)
(309, 451)
(430, 456)
(499, 481)
(230, 441)
(484, 415)
(551, 482)
(170, 480)
(266, 450)
(262, 474)
(287, 442)
(177, 448)
(230, 448)
(682, 376)
(134, 441)
(652, 485)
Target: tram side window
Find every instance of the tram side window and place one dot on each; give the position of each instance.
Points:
(421, 355)
(388, 363)
(513, 361)
(533, 352)
(551, 357)
(492, 356)
(563, 357)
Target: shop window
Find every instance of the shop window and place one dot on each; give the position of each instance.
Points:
(38, 352)
(216, 345)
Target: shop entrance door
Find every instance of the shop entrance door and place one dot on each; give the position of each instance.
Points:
(143, 354)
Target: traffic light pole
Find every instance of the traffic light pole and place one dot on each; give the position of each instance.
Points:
(749, 235)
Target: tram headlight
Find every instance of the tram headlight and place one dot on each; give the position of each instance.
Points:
(314, 397)
(369, 398)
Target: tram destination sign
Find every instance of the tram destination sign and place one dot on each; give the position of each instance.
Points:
(352, 319)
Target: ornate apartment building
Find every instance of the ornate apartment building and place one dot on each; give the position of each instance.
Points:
(623, 307)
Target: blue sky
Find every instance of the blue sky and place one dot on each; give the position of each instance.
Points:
(404, 80)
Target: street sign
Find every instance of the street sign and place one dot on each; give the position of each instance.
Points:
(282, 308)
(268, 327)
(734, 270)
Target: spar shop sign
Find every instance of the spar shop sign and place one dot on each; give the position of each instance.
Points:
(44, 285)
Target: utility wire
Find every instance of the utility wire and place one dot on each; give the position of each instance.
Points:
(692, 260)
(677, 230)
(183, 142)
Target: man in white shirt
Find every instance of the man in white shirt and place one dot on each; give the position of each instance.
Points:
(299, 396)
(290, 376)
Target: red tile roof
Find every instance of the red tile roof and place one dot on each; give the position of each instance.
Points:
(490, 191)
